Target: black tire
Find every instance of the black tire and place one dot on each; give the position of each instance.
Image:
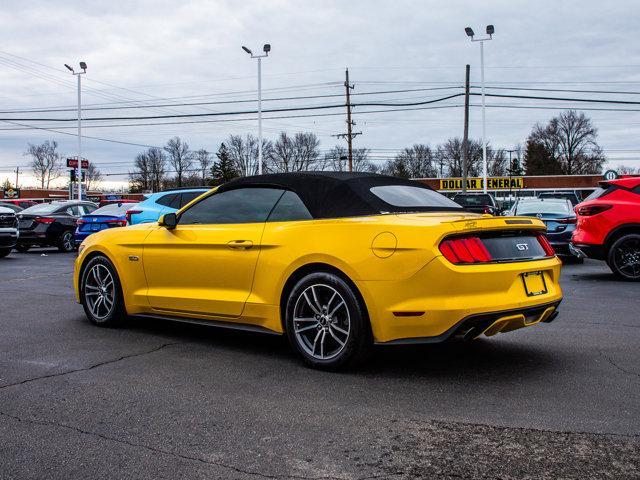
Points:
(116, 313)
(4, 252)
(624, 257)
(22, 248)
(351, 318)
(65, 243)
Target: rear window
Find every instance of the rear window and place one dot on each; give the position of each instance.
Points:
(115, 209)
(406, 196)
(601, 192)
(42, 208)
(533, 208)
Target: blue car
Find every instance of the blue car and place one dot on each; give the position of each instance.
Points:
(112, 215)
(157, 204)
(558, 216)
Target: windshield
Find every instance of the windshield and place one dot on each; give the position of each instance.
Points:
(115, 209)
(545, 207)
(42, 208)
(406, 196)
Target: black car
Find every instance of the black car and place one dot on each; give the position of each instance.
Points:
(51, 224)
(8, 231)
(558, 216)
(477, 202)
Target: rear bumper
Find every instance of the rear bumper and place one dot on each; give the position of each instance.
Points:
(489, 324)
(8, 239)
(442, 296)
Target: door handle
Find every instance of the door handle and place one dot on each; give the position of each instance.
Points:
(240, 244)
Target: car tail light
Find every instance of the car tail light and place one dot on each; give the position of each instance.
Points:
(567, 221)
(546, 246)
(589, 210)
(45, 220)
(129, 213)
(487, 209)
(465, 250)
(80, 222)
(116, 223)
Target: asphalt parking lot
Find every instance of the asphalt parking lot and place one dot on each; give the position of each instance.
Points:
(160, 400)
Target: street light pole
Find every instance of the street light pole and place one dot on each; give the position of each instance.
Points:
(490, 31)
(266, 49)
(83, 66)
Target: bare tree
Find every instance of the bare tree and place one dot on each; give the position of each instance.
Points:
(140, 177)
(157, 168)
(149, 170)
(497, 162)
(627, 170)
(45, 162)
(294, 154)
(203, 157)
(568, 140)
(180, 157)
(337, 159)
(418, 161)
(243, 153)
(93, 176)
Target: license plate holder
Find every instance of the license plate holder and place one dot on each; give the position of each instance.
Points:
(534, 283)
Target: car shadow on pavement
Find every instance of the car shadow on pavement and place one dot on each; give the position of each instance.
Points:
(448, 360)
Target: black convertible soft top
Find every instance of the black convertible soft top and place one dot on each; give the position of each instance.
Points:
(338, 194)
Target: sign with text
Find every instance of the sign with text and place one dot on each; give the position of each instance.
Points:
(11, 193)
(73, 163)
(493, 183)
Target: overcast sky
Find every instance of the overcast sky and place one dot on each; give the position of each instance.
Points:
(151, 51)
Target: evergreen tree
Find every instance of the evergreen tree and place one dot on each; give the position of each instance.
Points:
(223, 169)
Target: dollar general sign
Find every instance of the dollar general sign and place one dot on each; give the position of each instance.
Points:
(493, 183)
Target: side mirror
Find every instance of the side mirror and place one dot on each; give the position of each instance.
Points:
(168, 220)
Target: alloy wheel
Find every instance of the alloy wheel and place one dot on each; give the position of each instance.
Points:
(321, 321)
(99, 291)
(627, 257)
(67, 241)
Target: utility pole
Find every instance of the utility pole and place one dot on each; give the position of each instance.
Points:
(465, 138)
(79, 74)
(350, 135)
(266, 49)
(490, 31)
(17, 176)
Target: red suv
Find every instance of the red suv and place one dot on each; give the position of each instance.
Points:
(609, 226)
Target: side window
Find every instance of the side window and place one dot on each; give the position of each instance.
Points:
(289, 209)
(187, 197)
(74, 210)
(166, 199)
(244, 205)
(88, 209)
(175, 203)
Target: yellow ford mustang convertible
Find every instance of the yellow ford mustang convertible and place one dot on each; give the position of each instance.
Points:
(335, 261)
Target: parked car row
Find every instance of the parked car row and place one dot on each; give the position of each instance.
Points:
(65, 224)
(606, 226)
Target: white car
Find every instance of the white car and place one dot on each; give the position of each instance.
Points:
(8, 231)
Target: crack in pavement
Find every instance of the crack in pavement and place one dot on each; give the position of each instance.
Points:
(185, 456)
(90, 367)
(624, 370)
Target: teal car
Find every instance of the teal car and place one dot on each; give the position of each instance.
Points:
(160, 203)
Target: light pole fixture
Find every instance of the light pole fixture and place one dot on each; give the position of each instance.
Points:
(83, 66)
(266, 49)
(490, 31)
